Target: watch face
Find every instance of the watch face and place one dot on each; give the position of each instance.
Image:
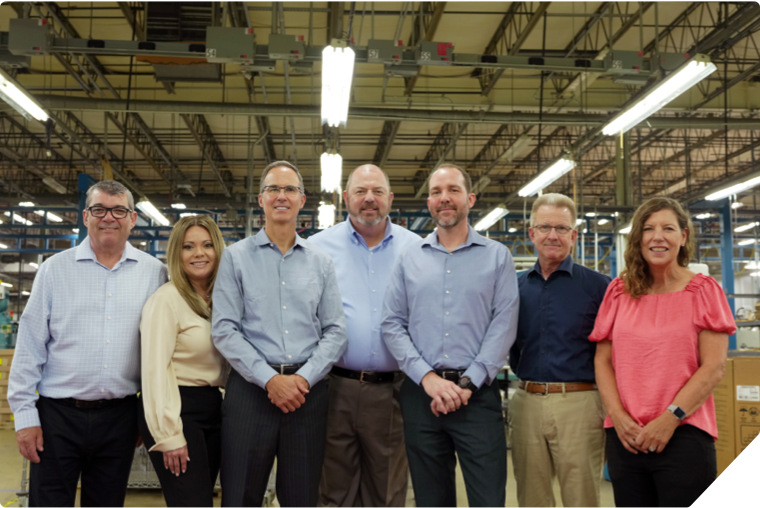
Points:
(680, 413)
(464, 381)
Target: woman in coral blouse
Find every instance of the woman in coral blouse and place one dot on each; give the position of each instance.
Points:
(663, 337)
(181, 410)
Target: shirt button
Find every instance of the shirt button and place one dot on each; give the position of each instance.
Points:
(445, 356)
(283, 283)
(374, 353)
(108, 342)
(271, 245)
(102, 390)
(286, 331)
(447, 335)
(109, 317)
(109, 294)
(451, 253)
(374, 310)
(375, 329)
(447, 292)
(284, 307)
(372, 271)
(105, 366)
(289, 356)
(373, 291)
(447, 313)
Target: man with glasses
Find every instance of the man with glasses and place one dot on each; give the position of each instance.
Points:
(449, 318)
(79, 348)
(278, 319)
(556, 415)
(365, 460)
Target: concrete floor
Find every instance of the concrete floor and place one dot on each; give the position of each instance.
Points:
(11, 465)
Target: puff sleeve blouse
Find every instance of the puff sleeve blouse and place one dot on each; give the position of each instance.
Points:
(655, 345)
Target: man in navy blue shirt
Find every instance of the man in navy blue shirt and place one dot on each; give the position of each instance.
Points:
(556, 415)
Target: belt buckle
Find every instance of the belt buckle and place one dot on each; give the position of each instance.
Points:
(546, 388)
(283, 366)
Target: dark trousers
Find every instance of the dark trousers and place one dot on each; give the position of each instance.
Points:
(99, 444)
(676, 477)
(202, 427)
(475, 432)
(254, 431)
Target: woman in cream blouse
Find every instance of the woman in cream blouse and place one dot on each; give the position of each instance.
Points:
(182, 371)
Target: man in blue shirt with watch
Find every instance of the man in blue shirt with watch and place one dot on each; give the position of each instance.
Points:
(449, 318)
(556, 415)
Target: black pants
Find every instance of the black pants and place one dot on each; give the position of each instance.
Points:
(475, 432)
(99, 444)
(676, 477)
(254, 431)
(202, 426)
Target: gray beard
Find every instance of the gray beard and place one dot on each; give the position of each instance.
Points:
(367, 222)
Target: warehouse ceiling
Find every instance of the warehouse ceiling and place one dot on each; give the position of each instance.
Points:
(184, 130)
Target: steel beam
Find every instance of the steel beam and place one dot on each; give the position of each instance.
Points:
(442, 145)
(203, 135)
(131, 17)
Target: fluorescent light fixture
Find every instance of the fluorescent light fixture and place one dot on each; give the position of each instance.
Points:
(18, 218)
(746, 242)
(546, 177)
(25, 293)
(734, 189)
(737, 204)
(332, 171)
(746, 227)
(517, 148)
(54, 184)
(179, 206)
(152, 212)
(590, 214)
(602, 222)
(754, 274)
(3, 246)
(679, 81)
(51, 216)
(579, 221)
(337, 73)
(34, 265)
(752, 265)
(188, 214)
(75, 230)
(19, 99)
(491, 218)
(143, 243)
(703, 216)
(326, 215)
(625, 230)
(513, 230)
(6, 284)
(26, 203)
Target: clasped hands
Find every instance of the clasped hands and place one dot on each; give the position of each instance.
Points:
(652, 437)
(447, 396)
(287, 392)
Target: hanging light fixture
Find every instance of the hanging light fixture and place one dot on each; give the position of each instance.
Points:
(689, 74)
(734, 189)
(547, 177)
(152, 212)
(491, 218)
(332, 171)
(19, 99)
(337, 74)
(326, 215)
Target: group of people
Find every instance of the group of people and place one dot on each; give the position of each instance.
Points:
(365, 355)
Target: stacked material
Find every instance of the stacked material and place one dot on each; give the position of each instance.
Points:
(6, 417)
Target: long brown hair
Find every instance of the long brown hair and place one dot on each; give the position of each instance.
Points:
(636, 275)
(174, 260)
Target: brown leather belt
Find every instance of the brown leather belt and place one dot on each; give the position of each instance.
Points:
(545, 388)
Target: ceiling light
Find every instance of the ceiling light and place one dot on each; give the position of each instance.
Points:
(75, 230)
(337, 73)
(517, 148)
(152, 212)
(703, 216)
(585, 230)
(579, 221)
(734, 189)
(143, 243)
(188, 214)
(513, 230)
(179, 206)
(755, 274)
(54, 184)
(3, 246)
(18, 218)
(746, 242)
(679, 81)
(491, 218)
(326, 215)
(752, 265)
(745, 227)
(26, 203)
(25, 293)
(547, 176)
(19, 99)
(34, 265)
(625, 230)
(590, 214)
(737, 204)
(6, 284)
(332, 171)
(602, 222)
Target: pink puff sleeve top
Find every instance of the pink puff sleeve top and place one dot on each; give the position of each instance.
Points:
(655, 346)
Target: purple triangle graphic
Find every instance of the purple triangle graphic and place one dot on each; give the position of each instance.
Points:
(738, 487)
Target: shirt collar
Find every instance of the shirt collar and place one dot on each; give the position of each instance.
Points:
(473, 238)
(85, 252)
(353, 234)
(261, 239)
(565, 266)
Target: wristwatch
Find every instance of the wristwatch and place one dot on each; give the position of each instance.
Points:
(677, 412)
(466, 382)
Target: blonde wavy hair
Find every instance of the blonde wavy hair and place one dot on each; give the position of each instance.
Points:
(174, 260)
(636, 276)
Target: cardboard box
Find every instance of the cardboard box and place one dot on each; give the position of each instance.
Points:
(737, 407)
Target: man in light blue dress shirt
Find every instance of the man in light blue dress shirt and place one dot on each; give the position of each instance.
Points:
(278, 319)
(449, 318)
(365, 459)
(79, 347)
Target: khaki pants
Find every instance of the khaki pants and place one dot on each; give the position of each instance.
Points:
(558, 435)
(365, 458)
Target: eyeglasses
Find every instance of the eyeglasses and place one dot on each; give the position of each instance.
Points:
(118, 212)
(290, 190)
(545, 229)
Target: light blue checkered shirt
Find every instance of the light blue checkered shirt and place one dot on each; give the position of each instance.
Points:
(79, 335)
